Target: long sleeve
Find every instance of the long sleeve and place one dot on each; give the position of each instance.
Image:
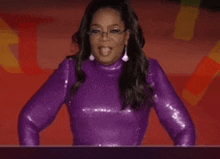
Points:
(171, 111)
(40, 111)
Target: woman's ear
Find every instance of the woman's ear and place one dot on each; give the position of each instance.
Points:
(127, 36)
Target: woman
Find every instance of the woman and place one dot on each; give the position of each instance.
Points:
(109, 87)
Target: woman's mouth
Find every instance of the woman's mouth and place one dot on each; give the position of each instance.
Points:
(104, 51)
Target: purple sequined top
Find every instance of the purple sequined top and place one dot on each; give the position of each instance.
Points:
(95, 116)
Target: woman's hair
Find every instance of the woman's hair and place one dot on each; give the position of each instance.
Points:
(134, 89)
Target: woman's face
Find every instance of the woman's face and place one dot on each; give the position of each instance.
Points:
(107, 49)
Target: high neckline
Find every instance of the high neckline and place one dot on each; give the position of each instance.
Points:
(110, 68)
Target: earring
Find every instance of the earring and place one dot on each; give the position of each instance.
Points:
(125, 58)
(91, 57)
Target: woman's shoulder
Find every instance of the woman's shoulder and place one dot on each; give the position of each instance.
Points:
(70, 60)
(153, 64)
(152, 60)
(66, 65)
(155, 71)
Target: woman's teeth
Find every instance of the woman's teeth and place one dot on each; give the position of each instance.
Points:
(105, 50)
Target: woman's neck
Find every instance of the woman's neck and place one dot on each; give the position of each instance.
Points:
(110, 68)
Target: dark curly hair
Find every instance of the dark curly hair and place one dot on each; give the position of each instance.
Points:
(135, 91)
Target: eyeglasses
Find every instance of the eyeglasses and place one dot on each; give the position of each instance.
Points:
(114, 33)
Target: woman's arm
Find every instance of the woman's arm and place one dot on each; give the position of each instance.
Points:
(42, 108)
(171, 111)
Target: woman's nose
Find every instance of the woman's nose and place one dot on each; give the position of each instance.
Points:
(104, 35)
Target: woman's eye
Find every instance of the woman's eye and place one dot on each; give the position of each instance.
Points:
(95, 31)
(115, 31)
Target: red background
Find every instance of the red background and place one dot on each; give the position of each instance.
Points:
(177, 57)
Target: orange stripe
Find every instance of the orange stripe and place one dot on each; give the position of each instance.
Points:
(7, 38)
(203, 75)
(185, 22)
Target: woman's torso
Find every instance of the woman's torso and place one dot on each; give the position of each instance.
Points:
(95, 114)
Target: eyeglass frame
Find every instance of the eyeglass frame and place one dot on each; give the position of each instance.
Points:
(102, 33)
